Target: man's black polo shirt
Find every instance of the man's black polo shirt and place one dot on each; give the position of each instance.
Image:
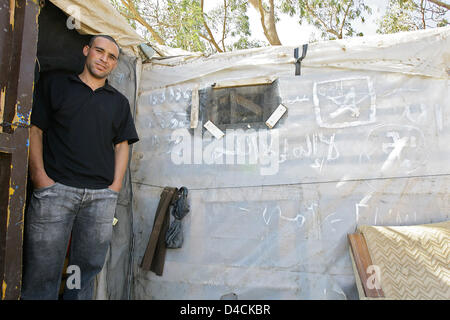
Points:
(81, 127)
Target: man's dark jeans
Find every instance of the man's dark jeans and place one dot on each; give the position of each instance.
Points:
(54, 214)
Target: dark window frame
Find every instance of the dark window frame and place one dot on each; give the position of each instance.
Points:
(235, 107)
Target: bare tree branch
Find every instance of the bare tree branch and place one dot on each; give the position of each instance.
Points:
(345, 17)
(136, 16)
(327, 28)
(211, 36)
(225, 7)
(267, 21)
(422, 13)
(441, 4)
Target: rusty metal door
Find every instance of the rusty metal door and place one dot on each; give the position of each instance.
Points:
(18, 42)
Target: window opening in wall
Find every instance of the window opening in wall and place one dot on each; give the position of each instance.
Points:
(239, 107)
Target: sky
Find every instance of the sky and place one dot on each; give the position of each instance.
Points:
(291, 33)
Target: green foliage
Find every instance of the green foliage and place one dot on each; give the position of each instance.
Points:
(409, 15)
(246, 43)
(183, 24)
(332, 17)
(236, 31)
(117, 4)
(398, 17)
(186, 19)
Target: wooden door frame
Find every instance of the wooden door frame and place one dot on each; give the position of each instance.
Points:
(18, 45)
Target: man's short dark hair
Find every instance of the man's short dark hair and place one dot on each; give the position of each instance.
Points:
(106, 37)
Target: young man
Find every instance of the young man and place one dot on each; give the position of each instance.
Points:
(79, 142)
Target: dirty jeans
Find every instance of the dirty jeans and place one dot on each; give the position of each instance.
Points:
(55, 213)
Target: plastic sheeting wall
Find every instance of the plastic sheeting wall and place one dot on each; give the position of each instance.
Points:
(271, 208)
(113, 281)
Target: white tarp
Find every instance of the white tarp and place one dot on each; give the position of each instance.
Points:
(407, 53)
(100, 17)
(364, 141)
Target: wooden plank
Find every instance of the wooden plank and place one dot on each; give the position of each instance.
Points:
(165, 200)
(18, 43)
(244, 82)
(248, 104)
(195, 104)
(5, 176)
(233, 107)
(160, 252)
(2, 105)
(363, 260)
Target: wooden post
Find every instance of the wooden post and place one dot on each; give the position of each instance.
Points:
(362, 259)
(18, 44)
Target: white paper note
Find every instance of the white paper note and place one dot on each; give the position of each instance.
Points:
(276, 115)
(216, 132)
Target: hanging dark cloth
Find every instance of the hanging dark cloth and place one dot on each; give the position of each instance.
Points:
(174, 236)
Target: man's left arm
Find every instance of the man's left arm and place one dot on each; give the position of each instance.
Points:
(121, 151)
